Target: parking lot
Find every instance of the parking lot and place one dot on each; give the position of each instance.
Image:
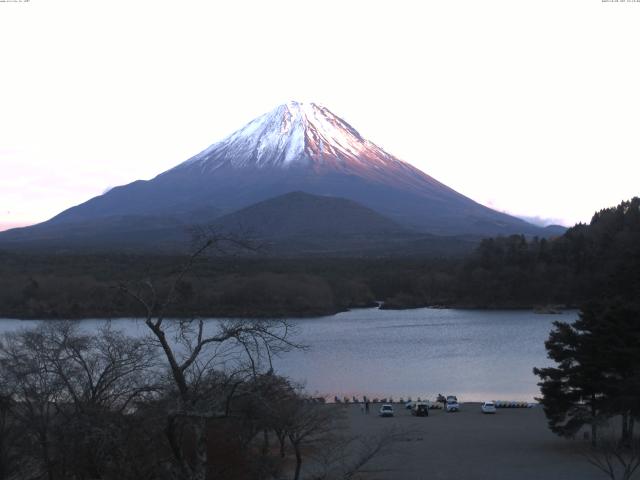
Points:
(514, 443)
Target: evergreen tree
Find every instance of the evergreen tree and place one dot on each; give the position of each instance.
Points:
(598, 369)
(619, 337)
(573, 392)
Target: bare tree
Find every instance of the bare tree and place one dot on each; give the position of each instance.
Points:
(349, 457)
(9, 435)
(103, 370)
(616, 459)
(306, 424)
(192, 348)
(37, 391)
(104, 374)
(68, 394)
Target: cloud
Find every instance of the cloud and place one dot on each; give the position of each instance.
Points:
(543, 221)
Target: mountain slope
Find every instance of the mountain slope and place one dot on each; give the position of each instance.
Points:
(295, 147)
(301, 224)
(294, 224)
(303, 214)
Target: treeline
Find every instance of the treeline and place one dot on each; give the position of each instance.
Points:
(515, 272)
(78, 286)
(587, 259)
(504, 272)
(89, 286)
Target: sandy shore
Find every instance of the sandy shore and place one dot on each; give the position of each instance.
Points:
(469, 445)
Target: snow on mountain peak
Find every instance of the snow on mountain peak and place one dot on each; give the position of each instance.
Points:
(294, 134)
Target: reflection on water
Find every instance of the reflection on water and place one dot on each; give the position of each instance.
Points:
(477, 355)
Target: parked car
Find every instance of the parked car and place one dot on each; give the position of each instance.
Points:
(420, 409)
(386, 410)
(451, 405)
(488, 407)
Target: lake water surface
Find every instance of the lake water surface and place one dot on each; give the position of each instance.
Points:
(475, 354)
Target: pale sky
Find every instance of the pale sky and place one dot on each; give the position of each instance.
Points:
(530, 107)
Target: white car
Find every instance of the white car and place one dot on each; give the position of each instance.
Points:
(451, 405)
(488, 407)
(386, 410)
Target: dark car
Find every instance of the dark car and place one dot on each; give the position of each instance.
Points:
(420, 409)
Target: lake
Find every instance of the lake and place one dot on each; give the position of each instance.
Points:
(475, 354)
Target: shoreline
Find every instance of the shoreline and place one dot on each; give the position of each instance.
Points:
(476, 356)
(302, 315)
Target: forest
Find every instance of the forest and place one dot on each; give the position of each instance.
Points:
(503, 272)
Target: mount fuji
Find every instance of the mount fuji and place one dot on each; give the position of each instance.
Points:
(297, 147)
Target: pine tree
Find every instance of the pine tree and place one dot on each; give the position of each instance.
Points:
(598, 369)
(573, 392)
(619, 338)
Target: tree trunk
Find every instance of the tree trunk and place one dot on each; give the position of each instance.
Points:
(265, 442)
(625, 428)
(46, 457)
(594, 419)
(282, 439)
(200, 457)
(296, 448)
(3, 475)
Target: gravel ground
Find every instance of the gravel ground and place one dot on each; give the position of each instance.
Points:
(469, 445)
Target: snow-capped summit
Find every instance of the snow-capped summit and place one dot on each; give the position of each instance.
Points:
(306, 136)
(292, 134)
